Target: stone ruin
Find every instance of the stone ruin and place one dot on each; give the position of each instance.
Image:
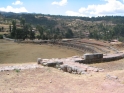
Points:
(79, 65)
(72, 64)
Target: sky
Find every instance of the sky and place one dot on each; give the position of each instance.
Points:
(87, 8)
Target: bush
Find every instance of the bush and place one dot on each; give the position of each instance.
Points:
(17, 70)
(121, 39)
(1, 36)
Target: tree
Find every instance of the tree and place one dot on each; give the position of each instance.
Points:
(13, 32)
(2, 28)
(26, 31)
(31, 33)
(1, 36)
(94, 34)
(10, 28)
(69, 34)
(40, 30)
(20, 34)
(119, 30)
(22, 21)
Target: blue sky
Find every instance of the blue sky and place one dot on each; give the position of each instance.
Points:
(65, 7)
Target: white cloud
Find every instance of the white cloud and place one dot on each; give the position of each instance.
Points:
(72, 13)
(61, 3)
(17, 2)
(111, 7)
(11, 9)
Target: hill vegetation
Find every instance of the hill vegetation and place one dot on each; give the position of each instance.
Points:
(41, 26)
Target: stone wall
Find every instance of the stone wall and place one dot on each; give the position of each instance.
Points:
(98, 58)
(78, 46)
(70, 65)
(113, 57)
(93, 56)
(73, 64)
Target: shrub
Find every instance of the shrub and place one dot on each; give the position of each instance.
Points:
(1, 36)
(17, 70)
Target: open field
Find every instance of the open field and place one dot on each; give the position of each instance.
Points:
(11, 52)
(6, 27)
(1, 33)
(3, 25)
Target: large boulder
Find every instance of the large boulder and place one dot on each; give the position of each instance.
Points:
(44, 63)
(79, 71)
(51, 64)
(54, 64)
(58, 64)
(63, 67)
(39, 60)
(74, 69)
(69, 69)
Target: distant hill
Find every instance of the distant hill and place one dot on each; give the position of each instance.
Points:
(94, 27)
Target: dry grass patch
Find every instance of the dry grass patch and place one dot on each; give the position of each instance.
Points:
(1, 33)
(11, 52)
(111, 66)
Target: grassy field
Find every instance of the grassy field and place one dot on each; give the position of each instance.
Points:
(11, 52)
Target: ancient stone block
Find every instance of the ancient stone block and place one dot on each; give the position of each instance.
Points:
(74, 69)
(64, 67)
(59, 63)
(79, 71)
(93, 56)
(44, 63)
(39, 61)
(69, 69)
(51, 64)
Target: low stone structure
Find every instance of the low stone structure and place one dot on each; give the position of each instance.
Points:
(77, 64)
(98, 57)
(113, 57)
(93, 56)
(70, 65)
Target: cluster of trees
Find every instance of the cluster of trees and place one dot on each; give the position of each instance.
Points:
(106, 32)
(25, 31)
(32, 19)
(1, 36)
(53, 33)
